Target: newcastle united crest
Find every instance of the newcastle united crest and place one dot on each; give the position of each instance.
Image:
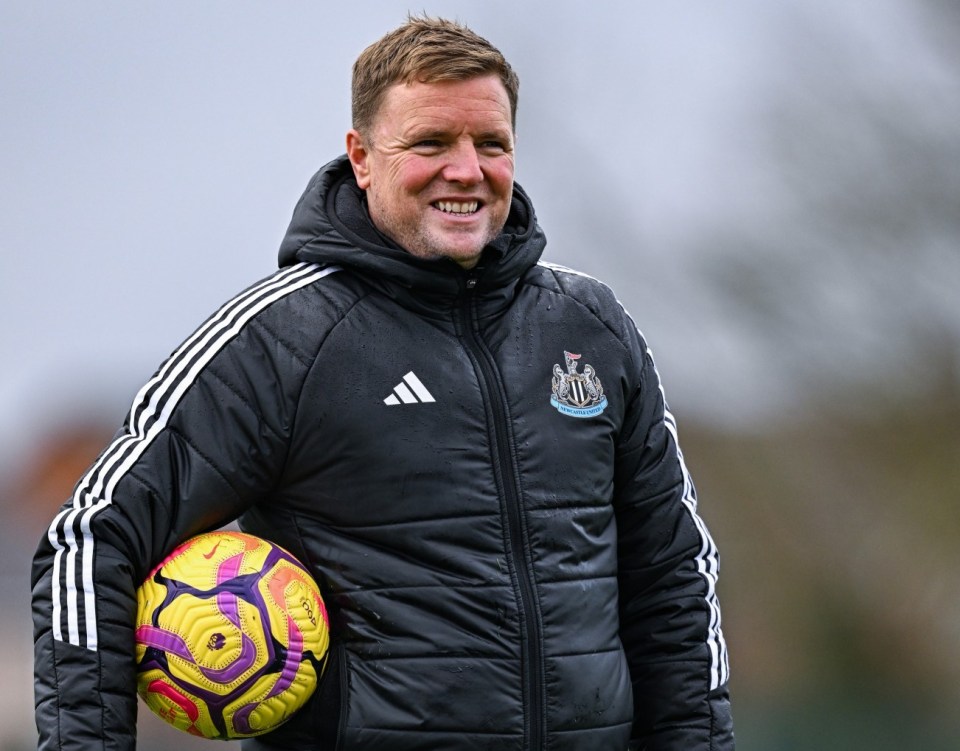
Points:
(577, 394)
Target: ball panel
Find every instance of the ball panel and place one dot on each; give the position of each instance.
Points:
(206, 646)
(231, 633)
(180, 710)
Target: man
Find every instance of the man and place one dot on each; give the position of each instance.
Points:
(508, 547)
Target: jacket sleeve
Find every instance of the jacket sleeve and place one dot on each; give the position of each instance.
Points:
(204, 439)
(668, 564)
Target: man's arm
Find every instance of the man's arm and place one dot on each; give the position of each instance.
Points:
(668, 565)
(85, 574)
(205, 439)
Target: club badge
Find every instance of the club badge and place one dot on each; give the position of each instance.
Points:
(577, 394)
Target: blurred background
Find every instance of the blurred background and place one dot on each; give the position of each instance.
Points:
(773, 190)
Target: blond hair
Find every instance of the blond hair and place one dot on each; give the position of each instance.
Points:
(425, 50)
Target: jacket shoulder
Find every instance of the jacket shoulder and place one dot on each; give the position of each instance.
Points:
(572, 283)
(301, 303)
(591, 293)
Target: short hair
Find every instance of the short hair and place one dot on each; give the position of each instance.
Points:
(425, 50)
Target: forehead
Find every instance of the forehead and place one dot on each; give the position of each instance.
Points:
(473, 102)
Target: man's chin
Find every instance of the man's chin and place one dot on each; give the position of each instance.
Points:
(457, 248)
(466, 259)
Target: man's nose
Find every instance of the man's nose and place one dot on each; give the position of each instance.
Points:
(463, 165)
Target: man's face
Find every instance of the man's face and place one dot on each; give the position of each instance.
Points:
(437, 166)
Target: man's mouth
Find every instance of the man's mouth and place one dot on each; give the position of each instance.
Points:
(457, 207)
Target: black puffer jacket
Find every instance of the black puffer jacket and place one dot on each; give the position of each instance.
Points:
(478, 467)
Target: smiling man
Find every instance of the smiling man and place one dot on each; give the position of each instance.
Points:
(509, 548)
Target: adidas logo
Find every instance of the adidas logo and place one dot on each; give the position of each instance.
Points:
(409, 391)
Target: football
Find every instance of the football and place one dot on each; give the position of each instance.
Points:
(231, 636)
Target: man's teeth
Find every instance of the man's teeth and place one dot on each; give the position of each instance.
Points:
(454, 207)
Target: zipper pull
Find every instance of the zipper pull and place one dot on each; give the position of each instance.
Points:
(473, 276)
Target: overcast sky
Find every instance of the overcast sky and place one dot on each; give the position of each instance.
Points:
(152, 155)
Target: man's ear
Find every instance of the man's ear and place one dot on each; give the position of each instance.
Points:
(358, 154)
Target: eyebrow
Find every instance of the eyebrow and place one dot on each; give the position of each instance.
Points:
(419, 134)
(427, 131)
(499, 135)
(434, 134)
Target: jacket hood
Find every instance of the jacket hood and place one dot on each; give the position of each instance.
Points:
(330, 226)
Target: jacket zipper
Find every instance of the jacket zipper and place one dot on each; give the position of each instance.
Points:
(505, 472)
